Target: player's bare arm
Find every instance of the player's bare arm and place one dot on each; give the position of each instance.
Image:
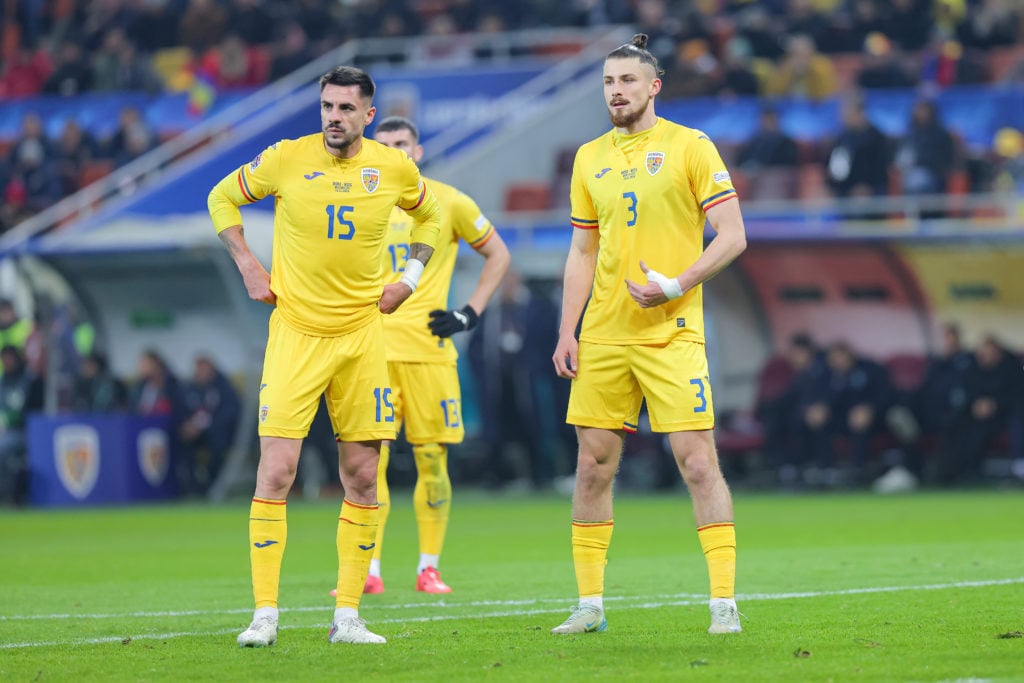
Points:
(729, 242)
(395, 294)
(496, 263)
(254, 275)
(578, 280)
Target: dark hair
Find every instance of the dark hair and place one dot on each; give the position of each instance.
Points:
(393, 123)
(99, 360)
(349, 75)
(637, 49)
(12, 352)
(802, 340)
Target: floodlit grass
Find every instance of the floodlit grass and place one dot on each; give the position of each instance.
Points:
(841, 588)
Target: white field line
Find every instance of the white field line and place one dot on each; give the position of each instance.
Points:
(440, 604)
(690, 600)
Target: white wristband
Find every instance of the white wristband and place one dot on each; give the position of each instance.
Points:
(411, 275)
(669, 285)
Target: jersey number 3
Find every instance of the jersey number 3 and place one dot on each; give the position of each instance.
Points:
(631, 196)
(338, 213)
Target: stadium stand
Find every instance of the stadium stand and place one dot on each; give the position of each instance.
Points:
(133, 76)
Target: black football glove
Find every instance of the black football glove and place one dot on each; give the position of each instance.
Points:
(447, 323)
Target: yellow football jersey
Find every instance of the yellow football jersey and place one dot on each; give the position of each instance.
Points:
(330, 225)
(408, 337)
(646, 195)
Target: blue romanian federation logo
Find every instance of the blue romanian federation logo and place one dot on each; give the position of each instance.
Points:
(655, 160)
(264, 544)
(370, 178)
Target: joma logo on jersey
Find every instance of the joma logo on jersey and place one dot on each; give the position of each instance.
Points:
(680, 322)
(629, 174)
(371, 179)
(655, 160)
(343, 187)
(600, 174)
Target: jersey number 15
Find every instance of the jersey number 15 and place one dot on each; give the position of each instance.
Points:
(338, 213)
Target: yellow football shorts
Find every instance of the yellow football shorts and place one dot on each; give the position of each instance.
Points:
(351, 370)
(428, 400)
(612, 382)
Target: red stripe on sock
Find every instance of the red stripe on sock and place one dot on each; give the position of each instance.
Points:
(269, 502)
(357, 505)
(712, 526)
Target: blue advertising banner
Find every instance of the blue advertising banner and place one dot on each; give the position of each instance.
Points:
(99, 459)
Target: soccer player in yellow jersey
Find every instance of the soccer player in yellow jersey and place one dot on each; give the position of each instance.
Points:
(640, 195)
(333, 192)
(422, 358)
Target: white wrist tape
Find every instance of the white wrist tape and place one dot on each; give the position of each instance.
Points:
(411, 275)
(669, 285)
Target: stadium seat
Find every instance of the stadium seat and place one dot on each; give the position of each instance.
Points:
(906, 371)
(1001, 60)
(741, 432)
(811, 182)
(773, 379)
(847, 69)
(93, 171)
(528, 196)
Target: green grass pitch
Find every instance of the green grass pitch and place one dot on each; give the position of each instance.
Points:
(927, 587)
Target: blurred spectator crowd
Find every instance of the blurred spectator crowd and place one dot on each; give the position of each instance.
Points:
(778, 48)
(831, 417)
(59, 358)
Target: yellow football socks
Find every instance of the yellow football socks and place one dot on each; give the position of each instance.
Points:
(268, 532)
(589, 555)
(718, 541)
(357, 531)
(383, 496)
(432, 498)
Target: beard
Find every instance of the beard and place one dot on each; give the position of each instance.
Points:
(339, 141)
(622, 118)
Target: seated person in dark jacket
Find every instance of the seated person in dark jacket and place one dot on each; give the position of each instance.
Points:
(21, 393)
(992, 389)
(782, 416)
(156, 390)
(96, 389)
(849, 403)
(211, 418)
(942, 393)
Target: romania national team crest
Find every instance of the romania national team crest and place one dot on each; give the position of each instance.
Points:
(264, 412)
(371, 179)
(154, 455)
(76, 452)
(655, 160)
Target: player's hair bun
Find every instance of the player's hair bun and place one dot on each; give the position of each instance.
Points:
(640, 40)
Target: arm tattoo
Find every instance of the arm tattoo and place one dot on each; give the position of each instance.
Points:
(421, 252)
(235, 246)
